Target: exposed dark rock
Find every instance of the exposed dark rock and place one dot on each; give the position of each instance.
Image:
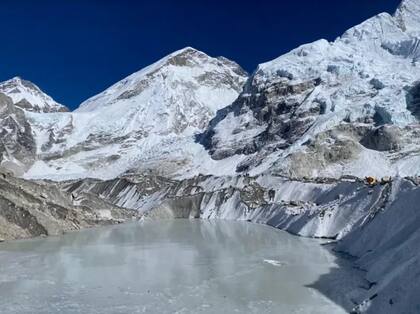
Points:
(384, 138)
(275, 107)
(377, 84)
(381, 116)
(413, 100)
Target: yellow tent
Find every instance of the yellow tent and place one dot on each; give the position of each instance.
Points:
(371, 180)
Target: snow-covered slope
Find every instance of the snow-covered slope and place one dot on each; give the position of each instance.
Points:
(146, 121)
(325, 108)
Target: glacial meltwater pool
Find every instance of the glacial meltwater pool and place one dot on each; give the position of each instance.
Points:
(179, 266)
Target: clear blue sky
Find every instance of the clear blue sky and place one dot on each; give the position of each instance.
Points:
(74, 49)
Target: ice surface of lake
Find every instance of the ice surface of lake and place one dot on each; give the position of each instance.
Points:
(177, 266)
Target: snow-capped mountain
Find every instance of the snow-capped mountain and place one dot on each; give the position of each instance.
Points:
(30, 97)
(332, 108)
(323, 109)
(178, 94)
(144, 122)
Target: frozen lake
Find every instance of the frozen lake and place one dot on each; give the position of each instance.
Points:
(177, 266)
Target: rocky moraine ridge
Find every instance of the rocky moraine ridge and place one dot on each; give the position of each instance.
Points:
(193, 136)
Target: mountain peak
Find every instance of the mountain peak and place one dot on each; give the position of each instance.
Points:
(186, 50)
(16, 79)
(29, 97)
(184, 71)
(187, 56)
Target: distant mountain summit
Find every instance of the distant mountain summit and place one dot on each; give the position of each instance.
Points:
(29, 97)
